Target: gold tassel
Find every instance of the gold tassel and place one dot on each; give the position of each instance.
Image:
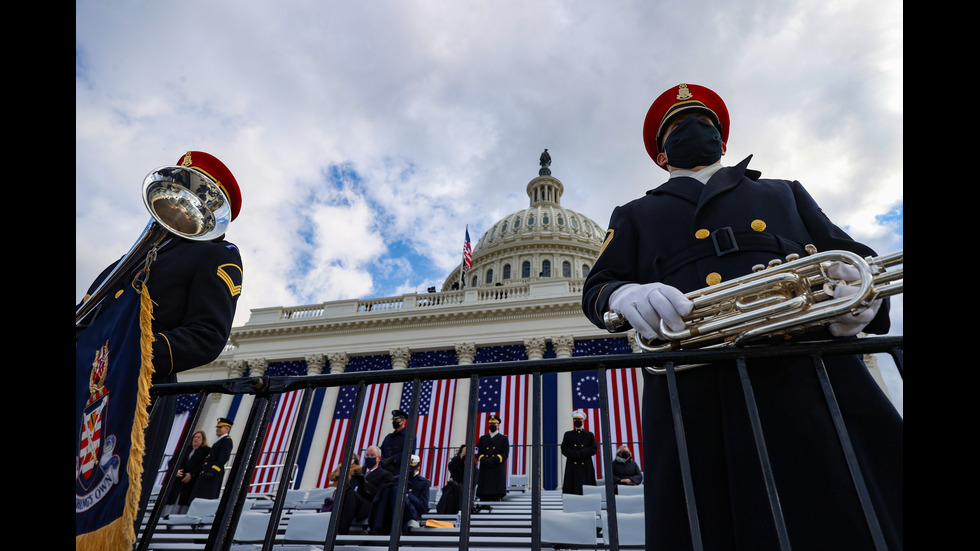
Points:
(121, 533)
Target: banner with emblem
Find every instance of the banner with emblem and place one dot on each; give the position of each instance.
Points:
(113, 367)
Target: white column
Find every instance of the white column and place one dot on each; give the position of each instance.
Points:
(465, 355)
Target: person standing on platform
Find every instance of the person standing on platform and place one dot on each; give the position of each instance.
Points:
(578, 446)
(187, 473)
(491, 454)
(212, 474)
(707, 224)
(394, 443)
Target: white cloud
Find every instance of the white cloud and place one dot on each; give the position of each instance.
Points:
(442, 110)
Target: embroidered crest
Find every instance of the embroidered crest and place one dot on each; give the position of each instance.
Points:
(187, 160)
(683, 93)
(96, 466)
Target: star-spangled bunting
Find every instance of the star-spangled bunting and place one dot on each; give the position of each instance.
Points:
(507, 397)
(623, 400)
(434, 422)
(276, 442)
(373, 415)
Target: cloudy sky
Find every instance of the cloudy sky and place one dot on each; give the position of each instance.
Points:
(367, 135)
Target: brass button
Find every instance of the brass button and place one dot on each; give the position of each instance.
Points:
(758, 225)
(119, 293)
(713, 278)
(702, 233)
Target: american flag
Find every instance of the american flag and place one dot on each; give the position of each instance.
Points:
(435, 417)
(274, 447)
(369, 432)
(467, 252)
(507, 397)
(623, 400)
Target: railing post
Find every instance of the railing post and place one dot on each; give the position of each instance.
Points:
(466, 497)
(852, 463)
(607, 461)
(233, 496)
(338, 500)
(760, 446)
(535, 478)
(398, 514)
(683, 458)
(170, 485)
(286, 471)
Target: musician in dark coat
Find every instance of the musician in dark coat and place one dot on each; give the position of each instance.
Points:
(188, 471)
(416, 502)
(491, 454)
(195, 287)
(394, 442)
(710, 223)
(578, 446)
(212, 472)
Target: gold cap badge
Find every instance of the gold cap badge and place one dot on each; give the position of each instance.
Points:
(683, 93)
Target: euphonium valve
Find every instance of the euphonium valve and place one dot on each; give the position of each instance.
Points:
(784, 297)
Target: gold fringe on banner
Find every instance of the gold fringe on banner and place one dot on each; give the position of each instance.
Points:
(121, 533)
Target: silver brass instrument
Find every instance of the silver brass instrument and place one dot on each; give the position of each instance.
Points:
(783, 298)
(182, 201)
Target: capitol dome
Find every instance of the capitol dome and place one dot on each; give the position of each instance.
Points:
(542, 242)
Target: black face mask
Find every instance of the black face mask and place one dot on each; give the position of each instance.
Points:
(577, 422)
(493, 428)
(694, 142)
(370, 462)
(396, 423)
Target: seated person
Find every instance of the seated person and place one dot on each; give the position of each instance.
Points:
(364, 486)
(416, 502)
(624, 469)
(452, 492)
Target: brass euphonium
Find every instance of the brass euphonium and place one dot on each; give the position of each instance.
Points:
(779, 299)
(182, 201)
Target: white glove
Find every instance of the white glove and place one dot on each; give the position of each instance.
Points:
(644, 306)
(848, 325)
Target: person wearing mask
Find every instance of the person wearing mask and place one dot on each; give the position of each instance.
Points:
(415, 505)
(578, 446)
(710, 223)
(624, 469)
(491, 454)
(394, 443)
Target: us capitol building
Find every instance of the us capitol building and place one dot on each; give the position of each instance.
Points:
(521, 299)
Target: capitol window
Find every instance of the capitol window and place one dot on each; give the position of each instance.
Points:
(506, 271)
(526, 269)
(489, 277)
(546, 268)
(566, 269)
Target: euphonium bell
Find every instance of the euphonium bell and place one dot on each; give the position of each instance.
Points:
(182, 201)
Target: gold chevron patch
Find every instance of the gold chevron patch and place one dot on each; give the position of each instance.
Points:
(233, 288)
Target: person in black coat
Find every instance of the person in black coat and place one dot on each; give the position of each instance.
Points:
(416, 501)
(578, 446)
(710, 223)
(394, 442)
(212, 473)
(452, 493)
(362, 489)
(195, 287)
(188, 471)
(492, 450)
(624, 469)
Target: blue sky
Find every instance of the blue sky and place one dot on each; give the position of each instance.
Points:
(367, 135)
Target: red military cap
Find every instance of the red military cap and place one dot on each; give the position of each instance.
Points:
(685, 97)
(217, 171)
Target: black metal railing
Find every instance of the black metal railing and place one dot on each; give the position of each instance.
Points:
(265, 390)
